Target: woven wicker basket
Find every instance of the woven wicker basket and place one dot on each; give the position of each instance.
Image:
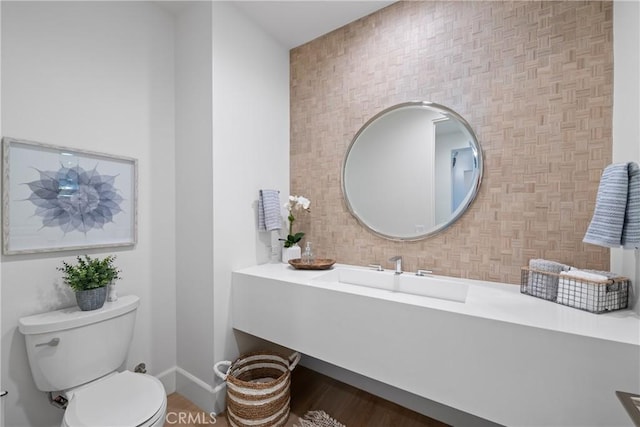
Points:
(258, 389)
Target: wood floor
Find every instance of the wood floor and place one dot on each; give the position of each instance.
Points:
(313, 391)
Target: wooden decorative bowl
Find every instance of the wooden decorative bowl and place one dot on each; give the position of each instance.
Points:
(317, 264)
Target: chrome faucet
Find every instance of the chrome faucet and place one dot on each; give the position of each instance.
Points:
(398, 261)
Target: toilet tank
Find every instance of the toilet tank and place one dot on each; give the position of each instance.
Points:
(70, 347)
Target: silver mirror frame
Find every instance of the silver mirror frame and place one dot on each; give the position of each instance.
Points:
(438, 228)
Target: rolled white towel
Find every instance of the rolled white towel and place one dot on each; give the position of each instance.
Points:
(586, 275)
(585, 290)
(617, 296)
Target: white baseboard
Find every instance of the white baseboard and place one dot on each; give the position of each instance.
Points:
(193, 388)
(168, 380)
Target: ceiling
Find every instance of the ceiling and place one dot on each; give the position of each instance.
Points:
(295, 22)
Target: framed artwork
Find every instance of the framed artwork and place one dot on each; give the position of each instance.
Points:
(58, 198)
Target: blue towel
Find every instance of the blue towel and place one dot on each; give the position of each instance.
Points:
(631, 227)
(616, 213)
(269, 210)
(544, 285)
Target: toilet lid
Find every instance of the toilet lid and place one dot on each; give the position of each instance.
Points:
(124, 400)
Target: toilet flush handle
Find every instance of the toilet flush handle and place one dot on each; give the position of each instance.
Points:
(54, 342)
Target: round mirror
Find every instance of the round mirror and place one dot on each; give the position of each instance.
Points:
(411, 171)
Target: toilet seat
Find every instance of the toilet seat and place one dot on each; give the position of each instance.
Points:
(125, 399)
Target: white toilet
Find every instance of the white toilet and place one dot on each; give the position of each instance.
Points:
(77, 353)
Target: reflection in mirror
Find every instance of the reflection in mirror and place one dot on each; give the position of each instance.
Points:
(411, 171)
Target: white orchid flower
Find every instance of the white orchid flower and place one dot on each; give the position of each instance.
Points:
(296, 203)
(304, 202)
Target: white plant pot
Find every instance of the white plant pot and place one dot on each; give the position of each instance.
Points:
(290, 253)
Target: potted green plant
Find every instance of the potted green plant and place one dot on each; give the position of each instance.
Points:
(89, 279)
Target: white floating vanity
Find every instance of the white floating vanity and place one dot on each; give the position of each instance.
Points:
(480, 347)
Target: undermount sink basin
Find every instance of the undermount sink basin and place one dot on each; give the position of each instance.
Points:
(408, 283)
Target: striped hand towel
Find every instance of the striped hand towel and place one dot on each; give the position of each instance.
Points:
(613, 214)
(269, 210)
(631, 227)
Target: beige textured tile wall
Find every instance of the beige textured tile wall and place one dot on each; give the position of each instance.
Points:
(534, 80)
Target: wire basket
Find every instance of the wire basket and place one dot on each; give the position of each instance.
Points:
(258, 389)
(589, 295)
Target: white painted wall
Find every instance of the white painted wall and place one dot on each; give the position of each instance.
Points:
(250, 151)
(2, 400)
(97, 76)
(194, 200)
(232, 139)
(626, 110)
(73, 80)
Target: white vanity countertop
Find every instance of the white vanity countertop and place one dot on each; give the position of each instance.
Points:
(489, 300)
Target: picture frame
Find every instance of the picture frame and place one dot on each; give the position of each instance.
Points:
(57, 198)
